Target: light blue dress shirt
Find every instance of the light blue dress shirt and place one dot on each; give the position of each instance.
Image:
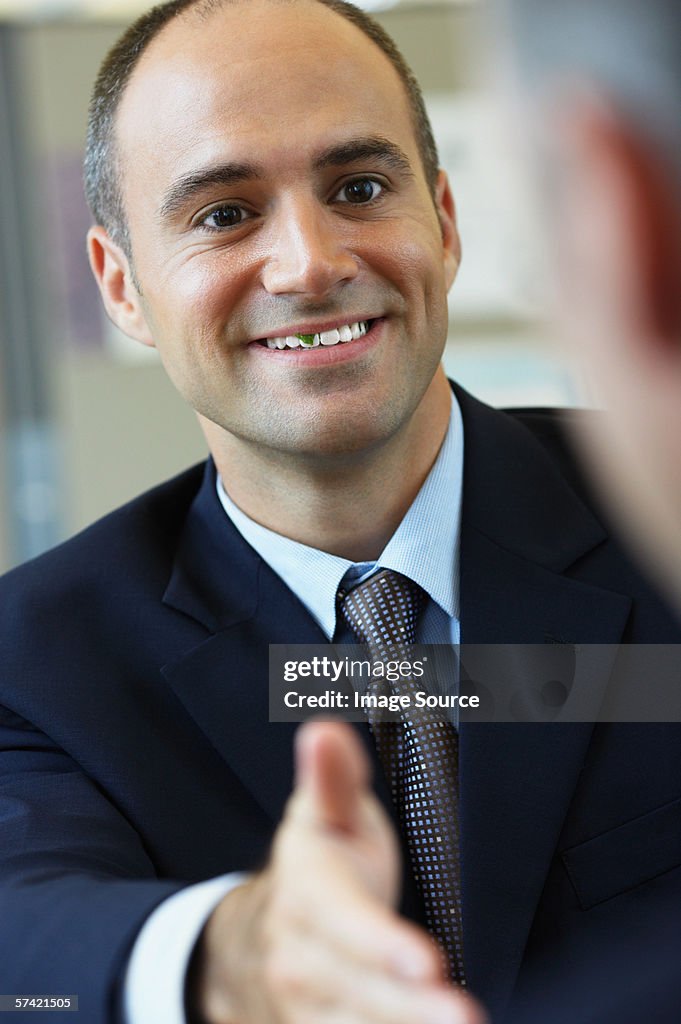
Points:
(425, 547)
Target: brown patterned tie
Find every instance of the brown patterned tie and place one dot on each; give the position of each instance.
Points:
(420, 757)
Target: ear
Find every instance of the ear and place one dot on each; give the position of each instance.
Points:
(115, 279)
(631, 196)
(446, 212)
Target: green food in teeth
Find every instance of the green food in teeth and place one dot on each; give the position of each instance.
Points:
(307, 339)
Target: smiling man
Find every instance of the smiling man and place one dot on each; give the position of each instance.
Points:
(270, 215)
(261, 227)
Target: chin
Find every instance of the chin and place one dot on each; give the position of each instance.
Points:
(332, 440)
(335, 443)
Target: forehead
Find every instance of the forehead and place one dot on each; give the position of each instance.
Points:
(256, 77)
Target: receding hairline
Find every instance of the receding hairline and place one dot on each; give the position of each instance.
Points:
(200, 12)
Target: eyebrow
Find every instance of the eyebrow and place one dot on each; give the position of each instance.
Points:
(228, 174)
(371, 147)
(220, 174)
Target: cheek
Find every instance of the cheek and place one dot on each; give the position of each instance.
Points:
(418, 258)
(195, 302)
(202, 285)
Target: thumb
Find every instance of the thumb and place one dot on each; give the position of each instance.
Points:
(333, 771)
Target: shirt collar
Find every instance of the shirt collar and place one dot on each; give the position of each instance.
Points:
(424, 547)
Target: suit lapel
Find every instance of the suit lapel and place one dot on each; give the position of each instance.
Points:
(522, 530)
(220, 581)
(222, 681)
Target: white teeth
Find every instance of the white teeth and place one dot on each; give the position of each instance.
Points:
(348, 332)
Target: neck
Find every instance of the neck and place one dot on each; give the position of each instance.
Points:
(347, 505)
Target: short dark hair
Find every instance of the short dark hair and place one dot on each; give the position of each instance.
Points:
(102, 170)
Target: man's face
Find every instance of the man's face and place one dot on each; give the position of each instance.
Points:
(273, 186)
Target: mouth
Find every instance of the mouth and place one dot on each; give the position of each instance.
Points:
(341, 334)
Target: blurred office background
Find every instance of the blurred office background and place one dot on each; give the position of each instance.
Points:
(87, 418)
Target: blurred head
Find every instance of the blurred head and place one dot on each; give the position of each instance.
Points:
(601, 84)
(268, 173)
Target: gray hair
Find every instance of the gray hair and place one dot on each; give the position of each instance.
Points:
(628, 49)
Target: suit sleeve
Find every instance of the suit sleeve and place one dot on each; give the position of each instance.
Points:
(76, 884)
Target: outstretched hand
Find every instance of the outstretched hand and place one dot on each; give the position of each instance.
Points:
(315, 937)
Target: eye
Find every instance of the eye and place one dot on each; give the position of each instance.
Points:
(225, 216)
(361, 190)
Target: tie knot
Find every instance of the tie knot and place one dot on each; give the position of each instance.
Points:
(384, 610)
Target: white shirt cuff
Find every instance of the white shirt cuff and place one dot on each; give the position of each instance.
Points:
(157, 968)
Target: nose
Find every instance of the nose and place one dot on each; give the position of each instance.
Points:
(308, 254)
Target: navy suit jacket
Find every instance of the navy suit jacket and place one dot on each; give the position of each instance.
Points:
(136, 754)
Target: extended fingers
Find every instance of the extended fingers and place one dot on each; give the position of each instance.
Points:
(312, 983)
(328, 900)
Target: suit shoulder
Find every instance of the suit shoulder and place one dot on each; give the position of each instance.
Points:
(551, 424)
(140, 536)
(553, 428)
